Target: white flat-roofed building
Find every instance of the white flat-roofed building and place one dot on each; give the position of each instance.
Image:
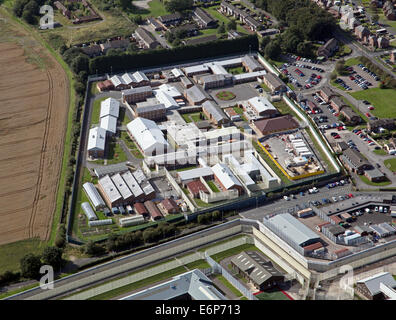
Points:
(181, 134)
(297, 232)
(93, 195)
(168, 101)
(148, 136)
(109, 191)
(122, 187)
(239, 170)
(170, 90)
(189, 175)
(253, 164)
(96, 142)
(177, 72)
(85, 206)
(109, 123)
(224, 134)
(193, 70)
(225, 178)
(262, 107)
(216, 68)
(133, 184)
(109, 107)
(248, 77)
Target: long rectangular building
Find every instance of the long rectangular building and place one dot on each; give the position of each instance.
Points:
(93, 195)
(109, 191)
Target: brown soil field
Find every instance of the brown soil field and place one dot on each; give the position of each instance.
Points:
(34, 102)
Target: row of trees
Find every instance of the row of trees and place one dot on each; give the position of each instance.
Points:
(306, 23)
(178, 5)
(126, 60)
(29, 10)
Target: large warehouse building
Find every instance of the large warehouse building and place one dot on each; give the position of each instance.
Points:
(296, 231)
(148, 136)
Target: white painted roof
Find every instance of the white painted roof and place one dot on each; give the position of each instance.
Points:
(109, 189)
(198, 68)
(121, 186)
(239, 169)
(169, 90)
(261, 104)
(93, 194)
(147, 134)
(117, 80)
(230, 132)
(177, 72)
(85, 206)
(165, 99)
(132, 184)
(109, 106)
(224, 174)
(195, 173)
(97, 138)
(109, 123)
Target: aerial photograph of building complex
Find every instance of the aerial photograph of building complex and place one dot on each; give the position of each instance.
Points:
(198, 150)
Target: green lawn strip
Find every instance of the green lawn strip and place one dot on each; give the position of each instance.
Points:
(186, 168)
(380, 152)
(212, 186)
(12, 253)
(238, 110)
(233, 251)
(335, 84)
(383, 101)
(199, 264)
(229, 285)
(265, 87)
(277, 295)
(94, 89)
(10, 293)
(352, 61)
(95, 115)
(377, 184)
(236, 70)
(201, 203)
(283, 108)
(390, 164)
(220, 242)
(273, 166)
(138, 284)
(68, 134)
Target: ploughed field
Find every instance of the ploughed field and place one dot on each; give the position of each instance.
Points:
(33, 113)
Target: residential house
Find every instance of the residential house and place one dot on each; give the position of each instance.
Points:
(146, 39)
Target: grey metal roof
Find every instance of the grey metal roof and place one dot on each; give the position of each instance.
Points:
(121, 186)
(293, 228)
(259, 269)
(132, 184)
(373, 282)
(374, 173)
(251, 63)
(196, 94)
(154, 107)
(110, 189)
(136, 90)
(145, 35)
(193, 283)
(110, 169)
(215, 111)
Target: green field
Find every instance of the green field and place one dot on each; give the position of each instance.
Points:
(212, 186)
(352, 61)
(131, 145)
(390, 164)
(12, 253)
(95, 115)
(156, 8)
(115, 153)
(193, 117)
(199, 264)
(233, 251)
(236, 70)
(383, 101)
(276, 295)
(380, 152)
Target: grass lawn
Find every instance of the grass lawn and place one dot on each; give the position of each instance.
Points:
(219, 243)
(377, 184)
(225, 95)
(352, 61)
(12, 253)
(236, 70)
(382, 99)
(10, 293)
(283, 108)
(380, 152)
(201, 203)
(199, 264)
(96, 111)
(238, 110)
(265, 87)
(212, 186)
(94, 88)
(390, 164)
(193, 117)
(131, 145)
(276, 295)
(229, 285)
(156, 8)
(186, 168)
(115, 153)
(233, 251)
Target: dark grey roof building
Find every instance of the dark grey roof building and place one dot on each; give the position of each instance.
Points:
(258, 270)
(214, 113)
(204, 19)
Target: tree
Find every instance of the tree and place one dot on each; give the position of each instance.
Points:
(272, 50)
(93, 249)
(341, 68)
(80, 63)
(178, 5)
(53, 257)
(221, 29)
(30, 266)
(264, 41)
(60, 239)
(125, 4)
(231, 25)
(375, 17)
(137, 19)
